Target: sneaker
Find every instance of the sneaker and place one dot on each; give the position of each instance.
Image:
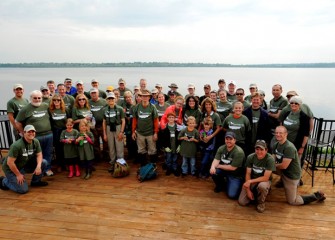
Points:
(320, 195)
(260, 207)
(49, 173)
(39, 184)
(2, 186)
(176, 173)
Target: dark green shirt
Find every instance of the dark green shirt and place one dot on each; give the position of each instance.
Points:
(58, 118)
(70, 149)
(15, 105)
(258, 167)
(187, 148)
(97, 109)
(145, 119)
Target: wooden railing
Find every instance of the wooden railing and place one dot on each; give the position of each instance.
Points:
(6, 131)
(320, 147)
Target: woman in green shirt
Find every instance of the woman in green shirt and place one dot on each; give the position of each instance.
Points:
(81, 110)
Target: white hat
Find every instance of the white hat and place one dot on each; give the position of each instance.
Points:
(110, 95)
(190, 86)
(232, 82)
(94, 90)
(94, 80)
(80, 82)
(28, 128)
(18, 85)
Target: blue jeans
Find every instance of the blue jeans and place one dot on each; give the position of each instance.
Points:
(171, 160)
(11, 182)
(206, 161)
(233, 185)
(46, 142)
(184, 166)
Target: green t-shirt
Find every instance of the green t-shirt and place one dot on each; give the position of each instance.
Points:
(258, 167)
(122, 92)
(161, 109)
(240, 126)
(80, 113)
(277, 104)
(196, 113)
(22, 152)
(46, 100)
(288, 150)
(173, 137)
(145, 119)
(215, 118)
(223, 109)
(37, 116)
(114, 115)
(235, 158)
(292, 124)
(58, 118)
(15, 105)
(86, 151)
(187, 148)
(69, 102)
(97, 109)
(305, 108)
(70, 149)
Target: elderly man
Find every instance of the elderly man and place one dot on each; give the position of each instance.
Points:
(227, 168)
(260, 166)
(36, 113)
(14, 105)
(145, 128)
(143, 84)
(98, 105)
(80, 90)
(69, 89)
(24, 156)
(288, 167)
(95, 84)
(122, 88)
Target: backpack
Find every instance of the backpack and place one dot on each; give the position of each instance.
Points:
(121, 169)
(146, 172)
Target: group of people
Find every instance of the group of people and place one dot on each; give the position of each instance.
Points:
(242, 139)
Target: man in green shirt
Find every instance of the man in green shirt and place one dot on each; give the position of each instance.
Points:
(24, 156)
(14, 105)
(260, 166)
(288, 167)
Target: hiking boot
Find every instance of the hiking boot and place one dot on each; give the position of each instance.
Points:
(2, 186)
(39, 184)
(260, 207)
(168, 172)
(320, 196)
(279, 184)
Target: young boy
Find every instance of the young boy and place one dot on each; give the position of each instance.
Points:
(170, 143)
(189, 138)
(206, 147)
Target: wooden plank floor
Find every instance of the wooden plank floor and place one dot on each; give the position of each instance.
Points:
(165, 208)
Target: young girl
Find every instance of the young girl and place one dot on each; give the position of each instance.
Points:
(189, 138)
(85, 141)
(206, 147)
(170, 143)
(68, 138)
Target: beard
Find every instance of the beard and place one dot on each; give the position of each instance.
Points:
(36, 104)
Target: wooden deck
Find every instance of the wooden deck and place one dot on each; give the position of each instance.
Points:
(165, 208)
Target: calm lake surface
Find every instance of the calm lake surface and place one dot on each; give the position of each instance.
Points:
(314, 85)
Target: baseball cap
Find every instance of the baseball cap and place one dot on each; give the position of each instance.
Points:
(43, 88)
(232, 82)
(28, 128)
(94, 90)
(171, 92)
(155, 90)
(94, 80)
(80, 82)
(110, 88)
(158, 85)
(68, 80)
(110, 95)
(291, 93)
(252, 85)
(136, 87)
(261, 144)
(190, 86)
(18, 85)
(122, 81)
(230, 135)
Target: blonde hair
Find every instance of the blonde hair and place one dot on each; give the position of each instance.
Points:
(84, 122)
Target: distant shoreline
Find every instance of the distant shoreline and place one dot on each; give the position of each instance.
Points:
(163, 64)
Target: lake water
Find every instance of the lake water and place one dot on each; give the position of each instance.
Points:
(314, 85)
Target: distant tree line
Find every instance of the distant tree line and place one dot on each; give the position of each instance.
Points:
(162, 64)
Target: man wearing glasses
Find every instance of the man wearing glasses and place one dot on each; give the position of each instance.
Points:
(240, 97)
(25, 155)
(258, 177)
(14, 105)
(36, 113)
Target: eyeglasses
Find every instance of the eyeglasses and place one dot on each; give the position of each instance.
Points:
(239, 94)
(81, 99)
(18, 89)
(56, 100)
(294, 103)
(37, 98)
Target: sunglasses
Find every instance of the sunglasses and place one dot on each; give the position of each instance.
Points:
(37, 98)
(56, 100)
(81, 99)
(294, 103)
(239, 94)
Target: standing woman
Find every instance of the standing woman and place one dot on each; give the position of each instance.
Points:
(131, 144)
(177, 109)
(239, 124)
(161, 106)
(208, 110)
(297, 124)
(113, 127)
(191, 108)
(58, 117)
(81, 110)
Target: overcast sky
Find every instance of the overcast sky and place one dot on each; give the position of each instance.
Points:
(221, 31)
